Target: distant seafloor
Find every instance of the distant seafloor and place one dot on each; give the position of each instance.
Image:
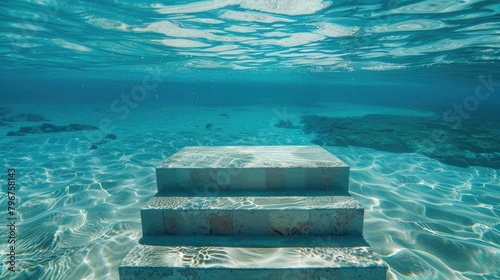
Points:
(80, 191)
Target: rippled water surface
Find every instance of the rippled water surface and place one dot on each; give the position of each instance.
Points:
(284, 36)
(163, 75)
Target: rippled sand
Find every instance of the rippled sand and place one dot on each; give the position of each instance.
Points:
(79, 208)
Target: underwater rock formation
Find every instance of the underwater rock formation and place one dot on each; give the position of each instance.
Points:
(5, 110)
(5, 113)
(24, 117)
(9, 119)
(30, 117)
(104, 140)
(50, 128)
(286, 124)
(476, 142)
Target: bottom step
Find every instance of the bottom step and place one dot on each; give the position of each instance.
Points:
(221, 262)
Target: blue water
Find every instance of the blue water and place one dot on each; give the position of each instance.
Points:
(156, 74)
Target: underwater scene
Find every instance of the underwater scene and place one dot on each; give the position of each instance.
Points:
(96, 94)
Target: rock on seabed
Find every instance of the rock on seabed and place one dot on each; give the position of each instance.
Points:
(476, 142)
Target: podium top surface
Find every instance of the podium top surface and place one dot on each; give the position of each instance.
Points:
(252, 157)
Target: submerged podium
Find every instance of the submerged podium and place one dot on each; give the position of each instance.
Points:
(252, 212)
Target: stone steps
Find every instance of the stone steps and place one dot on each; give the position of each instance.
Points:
(260, 215)
(278, 212)
(211, 170)
(238, 258)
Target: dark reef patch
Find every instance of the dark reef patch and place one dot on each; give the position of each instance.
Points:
(50, 128)
(476, 142)
(104, 140)
(30, 117)
(7, 116)
(9, 119)
(286, 124)
(5, 111)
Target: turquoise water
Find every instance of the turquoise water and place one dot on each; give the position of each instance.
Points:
(405, 92)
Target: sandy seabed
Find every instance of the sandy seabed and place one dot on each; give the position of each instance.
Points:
(79, 207)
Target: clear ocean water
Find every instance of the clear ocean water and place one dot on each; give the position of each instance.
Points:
(404, 91)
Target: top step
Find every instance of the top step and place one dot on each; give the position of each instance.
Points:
(210, 170)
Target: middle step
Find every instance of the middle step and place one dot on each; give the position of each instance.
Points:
(253, 215)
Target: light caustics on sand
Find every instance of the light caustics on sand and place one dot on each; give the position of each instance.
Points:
(80, 208)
